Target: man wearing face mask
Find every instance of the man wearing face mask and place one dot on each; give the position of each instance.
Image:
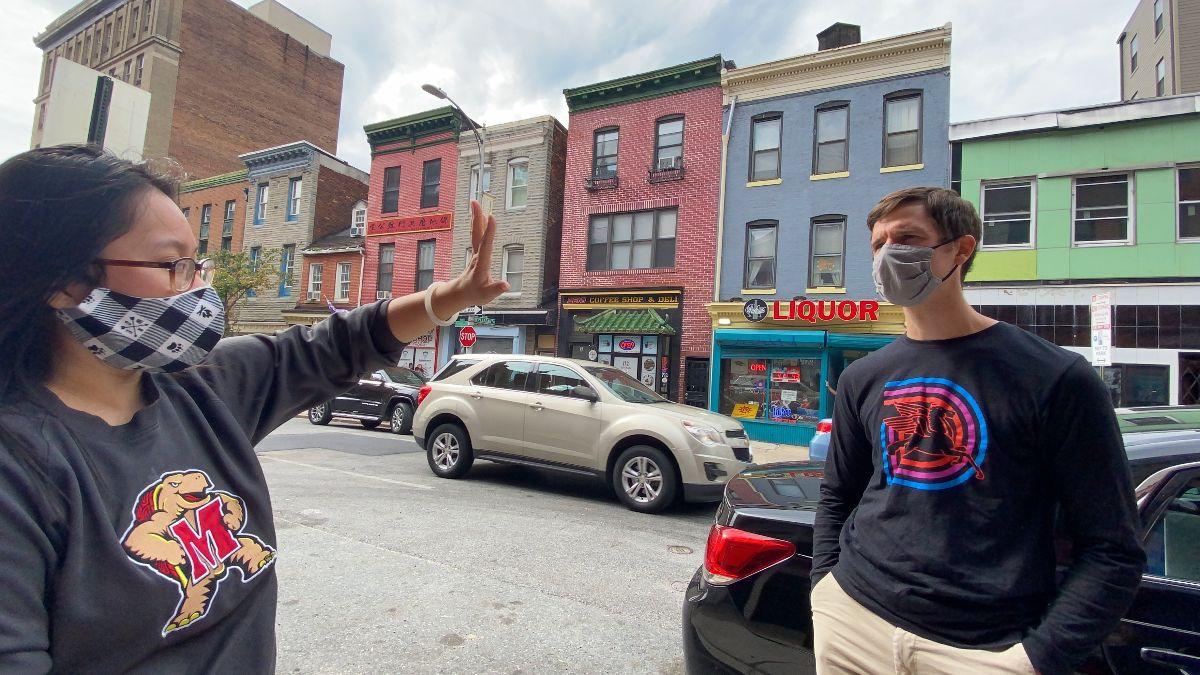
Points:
(956, 452)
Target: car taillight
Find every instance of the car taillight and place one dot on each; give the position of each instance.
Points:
(824, 427)
(423, 393)
(733, 554)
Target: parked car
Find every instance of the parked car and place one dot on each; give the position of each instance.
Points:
(747, 608)
(818, 447)
(1159, 418)
(1152, 451)
(578, 417)
(387, 395)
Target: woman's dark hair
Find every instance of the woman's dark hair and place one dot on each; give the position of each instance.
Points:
(59, 208)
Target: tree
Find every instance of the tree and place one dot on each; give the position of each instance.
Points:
(237, 275)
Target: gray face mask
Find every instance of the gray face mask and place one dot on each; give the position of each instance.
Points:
(904, 274)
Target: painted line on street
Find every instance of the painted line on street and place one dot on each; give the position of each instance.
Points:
(381, 479)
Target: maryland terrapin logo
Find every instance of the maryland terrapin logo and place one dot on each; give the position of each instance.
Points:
(192, 535)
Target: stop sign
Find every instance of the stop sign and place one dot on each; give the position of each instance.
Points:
(467, 336)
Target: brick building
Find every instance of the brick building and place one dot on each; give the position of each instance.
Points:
(223, 80)
(332, 271)
(216, 209)
(524, 174)
(299, 194)
(643, 172)
(410, 212)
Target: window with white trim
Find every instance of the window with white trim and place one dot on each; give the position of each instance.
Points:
(518, 183)
(760, 254)
(425, 260)
(1101, 212)
(487, 180)
(316, 278)
(902, 129)
(260, 204)
(387, 258)
(513, 268)
(343, 282)
(1189, 203)
(1133, 53)
(358, 222)
(1160, 78)
(766, 133)
(295, 191)
(1008, 213)
(828, 247)
(641, 240)
(831, 141)
(1158, 17)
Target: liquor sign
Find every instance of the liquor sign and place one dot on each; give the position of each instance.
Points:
(433, 222)
(812, 311)
(1102, 329)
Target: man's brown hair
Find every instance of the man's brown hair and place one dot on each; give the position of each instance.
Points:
(954, 216)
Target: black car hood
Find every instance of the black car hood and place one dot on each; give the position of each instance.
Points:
(782, 485)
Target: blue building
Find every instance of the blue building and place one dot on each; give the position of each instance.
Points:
(811, 144)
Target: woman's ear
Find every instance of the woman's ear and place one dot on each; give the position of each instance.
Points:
(70, 296)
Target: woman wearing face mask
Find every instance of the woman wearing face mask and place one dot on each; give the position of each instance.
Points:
(135, 523)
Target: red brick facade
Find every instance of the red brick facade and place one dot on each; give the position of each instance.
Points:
(337, 194)
(411, 163)
(329, 280)
(194, 202)
(695, 195)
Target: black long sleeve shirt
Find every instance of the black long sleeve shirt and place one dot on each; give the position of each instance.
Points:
(947, 463)
(104, 530)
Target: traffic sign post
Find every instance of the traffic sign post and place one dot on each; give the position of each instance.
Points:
(467, 337)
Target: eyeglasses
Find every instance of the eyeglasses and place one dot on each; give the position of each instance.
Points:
(183, 270)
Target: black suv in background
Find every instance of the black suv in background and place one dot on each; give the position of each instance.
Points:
(385, 395)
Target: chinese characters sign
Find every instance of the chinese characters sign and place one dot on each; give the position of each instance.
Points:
(433, 222)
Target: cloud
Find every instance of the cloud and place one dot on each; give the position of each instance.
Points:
(511, 60)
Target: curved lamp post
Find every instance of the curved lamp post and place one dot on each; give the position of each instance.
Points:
(485, 196)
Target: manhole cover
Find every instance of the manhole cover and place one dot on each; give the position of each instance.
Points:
(681, 550)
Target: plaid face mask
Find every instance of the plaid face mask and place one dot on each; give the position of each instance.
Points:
(161, 335)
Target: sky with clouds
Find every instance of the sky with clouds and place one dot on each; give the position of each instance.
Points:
(509, 60)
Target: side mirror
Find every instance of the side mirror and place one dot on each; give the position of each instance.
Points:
(586, 393)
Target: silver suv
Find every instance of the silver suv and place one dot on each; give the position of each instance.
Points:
(579, 417)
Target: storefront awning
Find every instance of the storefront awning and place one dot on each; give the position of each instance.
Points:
(632, 321)
(812, 339)
(859, 342)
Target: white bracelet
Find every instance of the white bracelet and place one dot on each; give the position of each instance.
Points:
(429, 307)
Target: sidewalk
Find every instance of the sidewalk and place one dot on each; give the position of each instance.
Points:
(765, 453)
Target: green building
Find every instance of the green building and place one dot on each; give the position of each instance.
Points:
(1090, 201)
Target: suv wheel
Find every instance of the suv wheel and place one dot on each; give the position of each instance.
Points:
(644, 479)
(449, 451)
(320, 413)
(402, 418)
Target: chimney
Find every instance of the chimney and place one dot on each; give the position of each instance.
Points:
(839, 35)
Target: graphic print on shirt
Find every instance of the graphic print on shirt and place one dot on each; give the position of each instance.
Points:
(192, 535)
(933, 434)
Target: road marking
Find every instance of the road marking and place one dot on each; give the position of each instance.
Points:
(348, 473)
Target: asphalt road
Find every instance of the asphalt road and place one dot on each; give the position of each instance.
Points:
(384, 567)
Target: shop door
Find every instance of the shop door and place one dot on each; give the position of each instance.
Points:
(1189, 378)
(696, 381)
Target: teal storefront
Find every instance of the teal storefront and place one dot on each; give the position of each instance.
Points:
(780, 383)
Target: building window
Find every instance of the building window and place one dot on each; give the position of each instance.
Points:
(387, 259)
(668, 148)
(518, 183)
(343, 282)
(1101, 213)
(1189, 202)
(431, 183)
(765, 136)
(187, 211)
(828, 243)
(513, 266)
(487, 181)
(260, 204)
(226, 244)
(604, 162)
(287, 265)
(202, 247)
(1160, 78)
(120, 30)
(760, 254)
(1008, 209)
(42, 116)
(1133, 53)
(107, 39)
(316, 274)
(358, 223)
(902, 129)
(137, 72)
(391, 190)
(146, 15)
(205, 220)
(831, 142)
(255, 253)
(1158, 17)
(127, 70)
(295, 191)
(133, 23)
(641, 240)
(425, 256)
(1136, 385)
(228, 224)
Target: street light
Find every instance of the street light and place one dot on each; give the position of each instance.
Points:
(485, 196)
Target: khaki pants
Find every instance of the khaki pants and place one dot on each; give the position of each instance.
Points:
(851, 640)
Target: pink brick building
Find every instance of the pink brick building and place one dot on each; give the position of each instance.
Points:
(410, 213)
(639, 225)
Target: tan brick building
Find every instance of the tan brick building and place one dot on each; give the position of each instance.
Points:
(1160, 49)
(223, 80)
(298, 194)
(524, 175)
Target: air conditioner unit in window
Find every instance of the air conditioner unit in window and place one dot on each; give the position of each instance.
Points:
(356, 230)
(382, 295)
(669, 162)
(314, 295)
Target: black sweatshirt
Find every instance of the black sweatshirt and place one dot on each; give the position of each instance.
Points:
(149, 546)
(937, 513)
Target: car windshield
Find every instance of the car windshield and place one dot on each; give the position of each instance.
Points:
(404, 376)
(624, 386)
